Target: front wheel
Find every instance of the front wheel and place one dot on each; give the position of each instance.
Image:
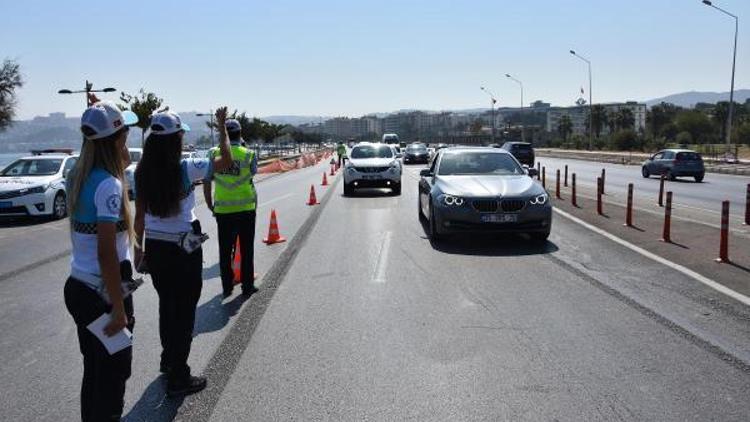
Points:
(348, 190)
(421, 215)
(539, 237)
(396, 189)
(670, 176)
(699, 178)
(59, 206)
(645, 173)
(434, 234)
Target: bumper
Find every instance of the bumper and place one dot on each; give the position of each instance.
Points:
(532, 219)
(678, 172)
(372, 180)
(36, 204)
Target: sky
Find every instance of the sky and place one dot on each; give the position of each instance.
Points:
(349, 58)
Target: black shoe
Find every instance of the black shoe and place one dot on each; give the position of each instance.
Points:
(249, 292)
(227, 292)
(188, 386)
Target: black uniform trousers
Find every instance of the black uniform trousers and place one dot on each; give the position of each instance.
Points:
(104, 375)
(178, 280)
(231, 226)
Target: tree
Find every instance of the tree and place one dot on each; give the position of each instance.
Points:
(625, 140)
(696, 124)
(742, 134)
(565, 127)
(599, 118)
(10, 80)
(660, 117)
(143, 104)
(625, 119)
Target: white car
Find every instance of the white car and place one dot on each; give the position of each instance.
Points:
(35, 186)
(135, 157)
(372, 166)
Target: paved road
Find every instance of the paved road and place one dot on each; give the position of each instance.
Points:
(701, 201)
(371, 321)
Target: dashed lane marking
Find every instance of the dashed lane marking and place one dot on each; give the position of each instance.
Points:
(382, 265)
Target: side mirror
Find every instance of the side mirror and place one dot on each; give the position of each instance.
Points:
(399, 155)
(532, 172)
(66, 172)
(425, 173)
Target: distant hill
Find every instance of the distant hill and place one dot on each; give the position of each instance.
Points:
(690, 99)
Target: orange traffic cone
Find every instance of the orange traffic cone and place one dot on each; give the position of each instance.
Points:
(273, 231)
(313, 200)
(237, 264)
(325, 180)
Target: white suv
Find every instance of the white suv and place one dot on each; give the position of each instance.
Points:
(35, 185)
(372, 166)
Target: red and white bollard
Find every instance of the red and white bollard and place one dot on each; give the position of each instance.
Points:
(573, 191)
(544, 177)
(557, 185)
(747, 205)
(599, 207)
(661, 190)
(667, 234)
(724, 242)
(603, 178)
(566, 176)
(538, 170)
(629, 210)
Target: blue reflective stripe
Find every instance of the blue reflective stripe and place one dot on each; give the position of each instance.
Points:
(86, 208)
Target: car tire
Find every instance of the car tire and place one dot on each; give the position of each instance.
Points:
(699, 178)
(435, 236)
(645, 173)
(396, 189)
(539, 237)
(348, 190)
(59, 206)
(420, 214)
(670, 176)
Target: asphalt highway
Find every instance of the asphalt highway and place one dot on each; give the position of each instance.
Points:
(364, 318)
(698, 201)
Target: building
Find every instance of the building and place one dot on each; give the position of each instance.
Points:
(579, 116)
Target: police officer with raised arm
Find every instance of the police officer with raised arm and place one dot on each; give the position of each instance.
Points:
(233, 200)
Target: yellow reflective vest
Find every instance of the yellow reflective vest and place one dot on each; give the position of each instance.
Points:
(233, 188)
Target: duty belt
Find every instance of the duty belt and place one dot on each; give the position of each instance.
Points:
(90, 228)
(164, 236)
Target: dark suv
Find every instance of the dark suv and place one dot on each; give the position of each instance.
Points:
(675, 163)
(523, 151)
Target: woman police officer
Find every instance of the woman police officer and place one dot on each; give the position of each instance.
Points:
(100, 236)
(165, 214)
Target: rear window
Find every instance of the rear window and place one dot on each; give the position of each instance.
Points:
(688, 156)
(416, 148)
(522, 148)
(367, 151)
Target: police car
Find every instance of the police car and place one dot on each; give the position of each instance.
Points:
(135, 157)
(35, 185)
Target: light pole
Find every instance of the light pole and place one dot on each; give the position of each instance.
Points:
(523, 132)
(591, 101)
(210, 115)
(734, 61)
(88, 88)
(492, 107)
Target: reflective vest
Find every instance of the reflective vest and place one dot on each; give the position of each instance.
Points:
(342, 150)
(234, 190)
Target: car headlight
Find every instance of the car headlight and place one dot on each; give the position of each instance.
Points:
(35, 189)
(452, 201)
(539, 199)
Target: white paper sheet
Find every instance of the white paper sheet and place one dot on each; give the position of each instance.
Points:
(113, 344)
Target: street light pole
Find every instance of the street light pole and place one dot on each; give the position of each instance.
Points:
(523, 132)
(492, 108)
(591, 101)
(211, 117)
(88, 88)
(734, 62)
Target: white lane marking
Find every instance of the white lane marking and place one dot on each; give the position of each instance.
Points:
(385, 247)
(277, 199)
(677, 267)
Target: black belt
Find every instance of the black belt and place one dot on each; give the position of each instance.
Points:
(90, 228)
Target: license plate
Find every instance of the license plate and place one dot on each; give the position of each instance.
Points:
(499, 218)
(372, 177)
(5, 204)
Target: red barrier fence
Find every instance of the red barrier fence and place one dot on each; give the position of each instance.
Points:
(724, 241)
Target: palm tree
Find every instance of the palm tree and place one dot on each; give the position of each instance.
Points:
(625, 119)
(599, 117)
(565, 127)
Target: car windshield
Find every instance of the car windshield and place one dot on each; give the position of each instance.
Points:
(135, 156)
(34, 167)
(371, 151)
(475, 162)
(416, 148)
